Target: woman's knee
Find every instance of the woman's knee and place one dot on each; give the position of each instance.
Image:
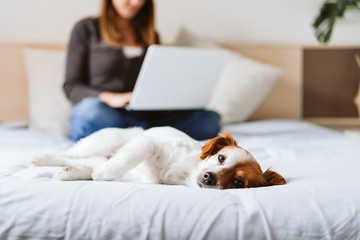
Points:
(209, 123)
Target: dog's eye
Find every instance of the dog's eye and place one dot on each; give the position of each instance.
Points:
(221, 158)
(238, 183)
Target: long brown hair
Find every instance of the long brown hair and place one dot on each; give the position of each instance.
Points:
(143, 24)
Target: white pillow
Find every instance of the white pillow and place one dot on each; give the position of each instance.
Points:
(243, 84)
(49, 108)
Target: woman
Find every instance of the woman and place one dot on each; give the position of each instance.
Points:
(104, 58)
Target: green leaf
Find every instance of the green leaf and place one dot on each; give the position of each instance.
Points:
(329, 12)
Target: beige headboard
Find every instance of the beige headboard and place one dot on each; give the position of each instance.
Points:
(13, 80)
(284, 101)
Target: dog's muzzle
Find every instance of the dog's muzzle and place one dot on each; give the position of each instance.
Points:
(209, 179)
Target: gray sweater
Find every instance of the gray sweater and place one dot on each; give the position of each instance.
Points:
(93, 66)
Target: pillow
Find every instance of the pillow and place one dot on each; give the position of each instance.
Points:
(243, 85)
(49, 109)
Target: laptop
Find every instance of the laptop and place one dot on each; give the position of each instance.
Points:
(177, 78)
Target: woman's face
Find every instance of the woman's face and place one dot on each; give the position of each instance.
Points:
(127, 9)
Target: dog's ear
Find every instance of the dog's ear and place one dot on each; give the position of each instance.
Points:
(273, 178)
(214, 145)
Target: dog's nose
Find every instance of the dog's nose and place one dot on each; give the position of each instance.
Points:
(209, 179)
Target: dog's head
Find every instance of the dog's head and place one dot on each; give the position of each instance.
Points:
(225, 165)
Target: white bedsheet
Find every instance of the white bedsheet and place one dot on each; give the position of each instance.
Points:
(320, 201)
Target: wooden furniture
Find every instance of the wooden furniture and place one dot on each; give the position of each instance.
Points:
(357, 97)
(339, 124)
(330, 82)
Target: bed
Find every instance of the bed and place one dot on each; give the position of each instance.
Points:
(321, 199)
(260, 105)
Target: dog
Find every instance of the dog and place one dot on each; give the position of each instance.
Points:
(162, 155)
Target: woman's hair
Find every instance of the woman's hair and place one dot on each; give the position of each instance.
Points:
(142, 23)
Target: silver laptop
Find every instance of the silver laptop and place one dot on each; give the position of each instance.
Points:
(177, 78)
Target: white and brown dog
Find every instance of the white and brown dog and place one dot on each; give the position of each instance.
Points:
(160, 155)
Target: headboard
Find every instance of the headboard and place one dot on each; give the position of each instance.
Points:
(13, 79)
(284, 101)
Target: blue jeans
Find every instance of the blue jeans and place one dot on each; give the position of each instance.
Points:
(91, 115)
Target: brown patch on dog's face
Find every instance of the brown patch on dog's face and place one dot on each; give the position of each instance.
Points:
(214, 145)
(242, 175)
(248, 175)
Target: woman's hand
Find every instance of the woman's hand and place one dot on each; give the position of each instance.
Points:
(115, 100)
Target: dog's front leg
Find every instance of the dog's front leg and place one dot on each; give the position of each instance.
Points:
(129, 156)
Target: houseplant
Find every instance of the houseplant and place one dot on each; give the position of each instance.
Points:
(329, 12)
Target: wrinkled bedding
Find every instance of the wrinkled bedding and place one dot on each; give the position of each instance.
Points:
(320, 201)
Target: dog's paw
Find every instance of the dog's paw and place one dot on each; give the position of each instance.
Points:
(76, 172)
(40, 160)
(101, 174)
(65, 174)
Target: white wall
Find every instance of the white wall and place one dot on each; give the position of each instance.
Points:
(231, 21)
(42, 20)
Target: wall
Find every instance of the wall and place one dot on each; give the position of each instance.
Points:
(231, 21)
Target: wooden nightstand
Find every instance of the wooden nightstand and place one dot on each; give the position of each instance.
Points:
(340, 124)
(349, 126)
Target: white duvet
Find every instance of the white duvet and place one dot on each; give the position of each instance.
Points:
(320, 201)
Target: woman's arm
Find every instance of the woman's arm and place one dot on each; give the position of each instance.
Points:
(76, 84)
